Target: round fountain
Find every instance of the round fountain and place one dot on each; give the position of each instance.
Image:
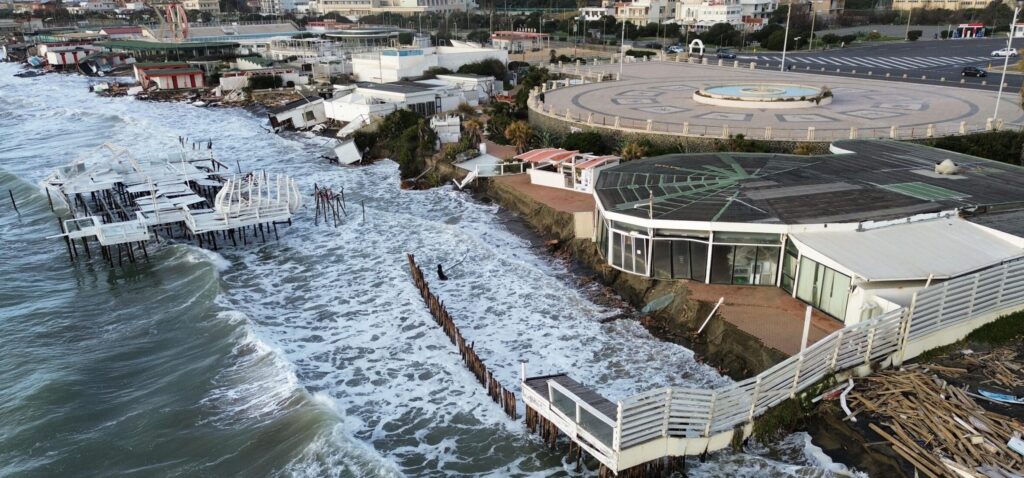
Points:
(763, 95)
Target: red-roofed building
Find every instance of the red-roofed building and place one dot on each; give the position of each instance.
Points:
(519, 42)
(174, 78)
(560, 168)
(141, 68)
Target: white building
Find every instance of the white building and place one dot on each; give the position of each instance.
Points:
(298, 114)
(360, 104)
(591, 14)
(702, 14)
(476, 89)
(237, 79)
(853, 234)
(208, 6)
(642, 12)
(394, 64)
(559, 168)
(757, 12)
(368, 7)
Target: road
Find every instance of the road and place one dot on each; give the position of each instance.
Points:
(931, 59)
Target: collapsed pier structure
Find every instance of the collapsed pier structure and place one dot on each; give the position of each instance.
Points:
(122, 202)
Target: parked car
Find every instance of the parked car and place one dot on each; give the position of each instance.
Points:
(973, 71)
(675, 49)
(1005, 52)
(653, 45)
(727, 54)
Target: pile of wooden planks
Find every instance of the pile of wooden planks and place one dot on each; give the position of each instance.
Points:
(936, 427)
(1000, 367)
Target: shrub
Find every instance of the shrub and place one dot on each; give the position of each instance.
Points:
(585, 142)
(1005, 329)
(264, 82)
(913, 35)
(830, 39)
(848, 39)
(489, 67)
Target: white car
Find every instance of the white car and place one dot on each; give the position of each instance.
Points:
(1005, 52)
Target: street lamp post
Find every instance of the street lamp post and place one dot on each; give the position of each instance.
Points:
(814, 16)
(622, 47)
(910, 14)
(1006, 60)
(785, 36)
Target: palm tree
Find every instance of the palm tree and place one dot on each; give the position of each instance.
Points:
(473, 130)
(519, 134)
(545, 139)
(633, 150)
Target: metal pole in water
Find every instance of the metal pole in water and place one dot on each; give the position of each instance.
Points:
(11, 193)
(361, 203)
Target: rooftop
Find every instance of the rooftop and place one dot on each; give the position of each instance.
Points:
(875, 180)
(398, 87)
(155, 45)
(941, 248)
(172, 71)
(292, 105)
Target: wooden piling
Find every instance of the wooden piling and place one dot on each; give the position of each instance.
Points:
(498, 393)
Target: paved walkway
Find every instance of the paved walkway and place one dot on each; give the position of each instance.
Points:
(662, 92)
(558, 199)
(768, 313)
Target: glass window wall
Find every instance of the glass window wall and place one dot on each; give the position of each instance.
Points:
(789, 262)
(823, 287)
(744, 264)
(680, 259)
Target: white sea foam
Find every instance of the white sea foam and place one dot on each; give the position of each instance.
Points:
(330, 315)
(198, 254)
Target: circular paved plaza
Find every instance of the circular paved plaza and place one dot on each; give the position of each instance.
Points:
(662, 93)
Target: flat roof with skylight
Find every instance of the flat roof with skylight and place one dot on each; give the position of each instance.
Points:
(844, 232)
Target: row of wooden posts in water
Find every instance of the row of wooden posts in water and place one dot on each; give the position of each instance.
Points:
(501, 395)
(535, 422)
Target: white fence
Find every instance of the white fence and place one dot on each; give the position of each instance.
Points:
(940, 314)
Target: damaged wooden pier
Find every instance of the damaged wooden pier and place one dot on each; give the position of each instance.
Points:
(122, 202)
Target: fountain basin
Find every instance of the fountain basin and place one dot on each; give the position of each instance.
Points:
(763, 96)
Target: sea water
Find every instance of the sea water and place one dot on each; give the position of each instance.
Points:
(308, 356)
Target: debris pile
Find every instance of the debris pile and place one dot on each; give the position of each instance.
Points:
(937, 427)
(999, 367)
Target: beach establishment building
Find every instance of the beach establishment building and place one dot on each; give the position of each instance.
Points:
(559, 168)
(358, 104)
(237, 79)
(394, 64)
(143, 50)
(299, 114)
(853, 234)
(519, 42)
(173, 78)
(401, 7)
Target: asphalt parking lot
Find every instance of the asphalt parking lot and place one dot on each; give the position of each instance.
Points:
(933, 59)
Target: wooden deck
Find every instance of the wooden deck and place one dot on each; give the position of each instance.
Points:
(603, 405)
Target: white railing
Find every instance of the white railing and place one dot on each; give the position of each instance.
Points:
(939, 314)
